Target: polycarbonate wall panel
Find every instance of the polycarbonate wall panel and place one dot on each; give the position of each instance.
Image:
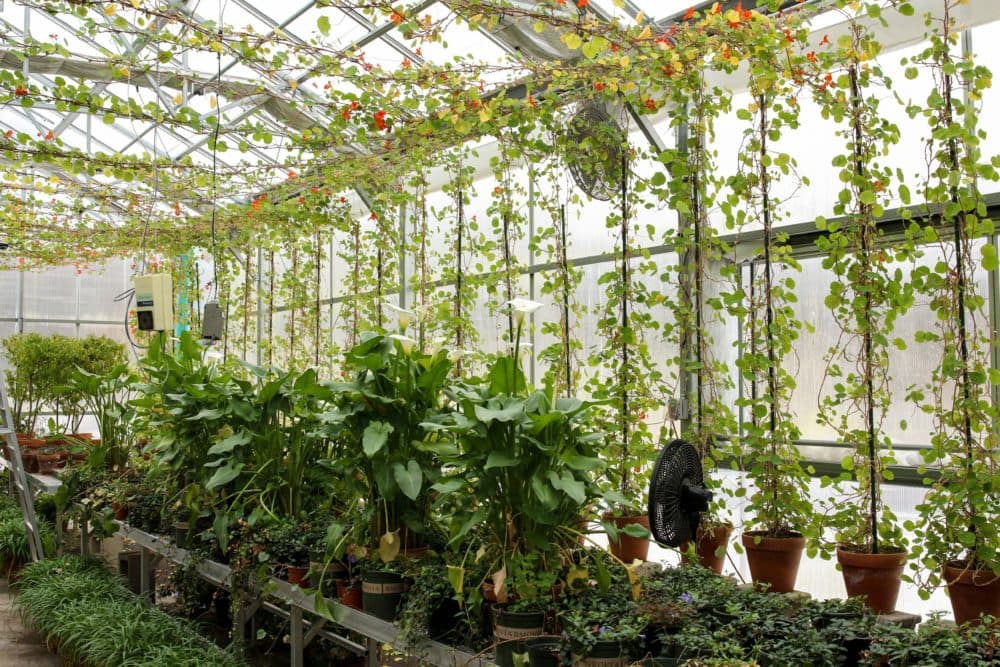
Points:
(51, 294)
(100, 287)
(8, 294)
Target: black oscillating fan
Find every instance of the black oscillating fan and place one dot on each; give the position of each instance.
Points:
(677, 495)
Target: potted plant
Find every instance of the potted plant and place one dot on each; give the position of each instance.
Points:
(779, 511)
(25, 353)
(287, 547)
(521, 477)
(377, 421)
(959, 517)
(867, 295)
(602, 627)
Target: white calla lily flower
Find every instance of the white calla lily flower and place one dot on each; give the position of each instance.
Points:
(521, 307)
(405, 341)
(403, 315)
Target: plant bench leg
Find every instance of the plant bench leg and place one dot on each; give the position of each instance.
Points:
(297, 644)
(145, 567)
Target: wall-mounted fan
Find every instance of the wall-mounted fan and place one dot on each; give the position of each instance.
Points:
(677, 495)
(595, 151)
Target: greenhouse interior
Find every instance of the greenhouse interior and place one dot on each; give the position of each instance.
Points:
(500, 332)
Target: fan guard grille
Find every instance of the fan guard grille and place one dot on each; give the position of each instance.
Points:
(676, 496)
(595, 151)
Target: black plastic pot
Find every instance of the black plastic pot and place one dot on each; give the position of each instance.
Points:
(605, 654)
(543, 651)
(382, 593)
(512, 629)
(442, 620)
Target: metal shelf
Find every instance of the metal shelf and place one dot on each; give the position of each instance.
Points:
(377, 631)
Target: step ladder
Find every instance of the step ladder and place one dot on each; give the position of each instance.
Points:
(18, 480)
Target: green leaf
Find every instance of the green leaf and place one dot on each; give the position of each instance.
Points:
(456, 576)
(635, 530)
(500, 460)
(569, 485)
(224, 475)
(227, 445)
(375, 437)
(410, 478)
(323, 23)
(990, 262)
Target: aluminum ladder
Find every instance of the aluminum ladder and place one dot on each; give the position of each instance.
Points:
(18, 479)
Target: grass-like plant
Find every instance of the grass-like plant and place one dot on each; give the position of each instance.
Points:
(78, 605)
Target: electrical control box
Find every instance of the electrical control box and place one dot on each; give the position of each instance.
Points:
(154, 302)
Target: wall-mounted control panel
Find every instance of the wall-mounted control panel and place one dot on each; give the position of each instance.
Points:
(154, 302)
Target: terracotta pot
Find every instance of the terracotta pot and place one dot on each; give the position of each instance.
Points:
(295, 575)
(629, 549)
(30, 461)
(876, 577)
(709, 541)
(121, 511)
(31, 443)
(47, 463)
(972, 592)
(349, 594)
(774, 560)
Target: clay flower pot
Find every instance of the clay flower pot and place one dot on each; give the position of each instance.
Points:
(972, 592)
(774, 560)
(876, 577)
(710, 556)
(629, 549)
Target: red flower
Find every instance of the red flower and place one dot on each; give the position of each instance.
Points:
(49, 136)
(373, 216)
(650, 104)
(346, 113)
(21, 91)
(811, 56)
(291, 174)
(397, 17)
(406, 63)
(343, 200)
(598, 86)
(581, 3)
(380, 120)
(825, 41)
(689, 14)
(9, 133)
(355, 105)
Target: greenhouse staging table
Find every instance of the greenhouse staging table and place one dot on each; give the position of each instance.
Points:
(43, 483)
(376, 631)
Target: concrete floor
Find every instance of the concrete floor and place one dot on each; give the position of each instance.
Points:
(19, 646)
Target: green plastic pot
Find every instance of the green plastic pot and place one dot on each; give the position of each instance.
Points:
(512, 629)
(382, 594)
